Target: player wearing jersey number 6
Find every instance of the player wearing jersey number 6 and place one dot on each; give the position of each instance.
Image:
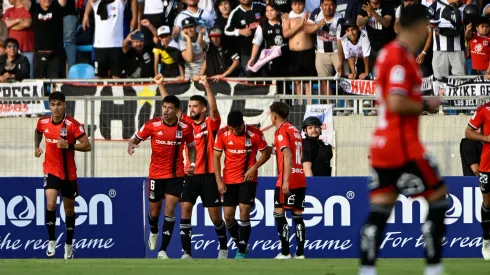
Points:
(399, 161)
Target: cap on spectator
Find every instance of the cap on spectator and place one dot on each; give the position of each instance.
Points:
(188, 22)
(215, 31)
(163, 30)
(482, 20)
(138, 36)
(349, 22)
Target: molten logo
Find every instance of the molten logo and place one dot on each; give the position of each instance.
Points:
(24, 217)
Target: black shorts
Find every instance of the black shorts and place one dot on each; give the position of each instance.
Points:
(416, 178)
(108, 59)
(49, 65)
(68, 188)
(203, 185)
(295, 200)
(484, 182)
(302, 63)
(242, 193)
(158, 188)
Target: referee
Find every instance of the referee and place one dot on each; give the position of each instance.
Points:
(316, 154)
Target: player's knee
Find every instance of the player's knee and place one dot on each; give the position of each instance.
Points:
(51, 206)
(216, 219)
(70, 212)
(229, 219)
(245, 212)
(186, 210)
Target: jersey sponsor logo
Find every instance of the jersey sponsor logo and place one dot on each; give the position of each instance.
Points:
(297, 170)
(167, 142)
(397, 74)
(50, 140)
(235, 151)
(198, 135)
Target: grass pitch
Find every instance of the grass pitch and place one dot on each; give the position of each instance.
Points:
(232, 267)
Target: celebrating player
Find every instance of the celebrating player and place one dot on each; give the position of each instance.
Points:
(60, 171)
(240, 143)
(399, 162)
(168, 135)
(291, 182)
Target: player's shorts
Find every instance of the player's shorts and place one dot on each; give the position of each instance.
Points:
(484, 186)
(242, 193)
(416, 178)
(158, 188)
(295, 200)
(68, 188)
(203, 185)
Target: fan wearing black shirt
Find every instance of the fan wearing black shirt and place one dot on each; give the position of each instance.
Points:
(242, 23)
(470, 151)
(139, 62)
(316, 154)
(221, 60)
(13, 65)
(47, 22)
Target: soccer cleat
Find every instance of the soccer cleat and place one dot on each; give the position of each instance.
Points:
(281, 256)
(302, 257)
(186, 257)
(485, 250)
(51, 248)
(223, 254)
(162, 255)
(69, 251)
(240, 255)
(153, 241)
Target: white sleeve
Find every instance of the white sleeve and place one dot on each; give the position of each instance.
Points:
(235, 32)
(258, 38)
(209, 19)
(345, 47)
(182, 45)
(366, 45)
(178, 20)
(398, 12)
(339, 31)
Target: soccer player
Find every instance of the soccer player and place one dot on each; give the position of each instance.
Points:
(240, 143)
(61, 133)
(481, 120)
(399, 161)
(291, 182)
(168, 135)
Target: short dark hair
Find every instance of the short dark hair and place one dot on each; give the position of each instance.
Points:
(13, 41)
(280, 108)
(172, 99)
(201, 99)
(334, 2)
(57, 96)
(235, 119)
(412, 15)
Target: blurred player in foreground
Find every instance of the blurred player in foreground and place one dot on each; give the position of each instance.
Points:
(399, 161)
(61, 133)
(291, 182)
(203, 182)
(240, 143)
(168, 136)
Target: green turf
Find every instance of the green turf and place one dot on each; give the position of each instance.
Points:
(230, 267)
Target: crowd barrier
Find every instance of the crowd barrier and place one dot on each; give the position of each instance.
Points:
(112, 221)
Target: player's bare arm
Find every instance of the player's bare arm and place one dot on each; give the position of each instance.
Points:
(265, 155)
(288, 166)
(401, 104)
(159, 81)
(217, 171)
(213, 106)
(83, 145)
(192, 158)
(38, 137)
(470, 133)
(307, 169)
(133, 144)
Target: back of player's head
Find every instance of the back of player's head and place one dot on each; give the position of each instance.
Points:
(235, 119)
(280, 108)
(172, 99)
(199, 98)
(57, 96)
(411, 15)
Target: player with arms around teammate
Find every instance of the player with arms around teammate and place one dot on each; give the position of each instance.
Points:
(240, 143)
(399, 161)
(168, 135)
(291, 182)
(61, 133)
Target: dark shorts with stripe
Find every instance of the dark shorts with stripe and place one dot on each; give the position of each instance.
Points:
(159, 188)
(204, 186)
(68, 188)
(241, 193)
(417, 178)
(294, 201)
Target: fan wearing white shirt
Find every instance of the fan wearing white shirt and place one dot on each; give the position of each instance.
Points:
(202, 17)
(357, 49)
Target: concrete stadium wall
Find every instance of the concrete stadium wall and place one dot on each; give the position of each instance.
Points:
(441, 134)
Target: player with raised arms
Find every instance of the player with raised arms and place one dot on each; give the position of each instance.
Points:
(399, 162)
(240, 142)
(168, 136)
(61, 133)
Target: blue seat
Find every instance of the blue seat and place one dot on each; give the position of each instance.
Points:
(81, 71)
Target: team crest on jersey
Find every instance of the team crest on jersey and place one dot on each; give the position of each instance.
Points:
(280, 138)
(63, 132)
(203, 125)
(278, 40)
(178, 134)
(248, 142)
(243, 22)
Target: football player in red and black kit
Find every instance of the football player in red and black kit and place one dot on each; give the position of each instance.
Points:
(61, 133)
(399, 162)
(291, 182)
(168, 136)
(203, 182)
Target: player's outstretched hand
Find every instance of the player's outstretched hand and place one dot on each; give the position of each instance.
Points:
(221, 188)
(131, 147)
(38, 152)
(250, 174)
(433, 104)
(158, 79)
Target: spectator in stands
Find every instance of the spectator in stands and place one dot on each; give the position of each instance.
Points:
(377, 17)
(47, 21)
(19, 23)
(242, 23)
(13, 66)
(193, 48)
(69, 32)
(138, 61)
(223, 9)
(167, 55)
(284, 5)
(479, 44)
(326, 22)
(316, 154)
(159, 13)
(202, 17)
(108, 37)
(357, 49)
(221, 61)
(449, 44)
(208, 5)
(470, 152)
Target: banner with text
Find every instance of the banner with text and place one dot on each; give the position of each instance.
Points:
(368, 87)
(448, 87)
(119, 119)
(12, 104)
(324, 112)
(109, 221)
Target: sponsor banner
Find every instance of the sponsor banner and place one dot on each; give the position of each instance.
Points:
(11, 102)
(368, 87)
(119, 119)
(109, 220)
(448, 87)
(324, 112)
